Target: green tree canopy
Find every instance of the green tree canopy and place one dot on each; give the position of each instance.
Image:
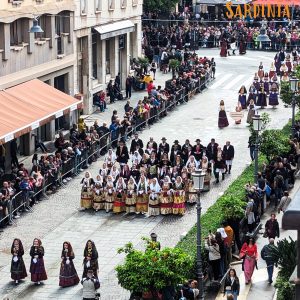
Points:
(159, 5)
(152, 269)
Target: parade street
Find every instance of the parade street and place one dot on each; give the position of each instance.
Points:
(58, 218)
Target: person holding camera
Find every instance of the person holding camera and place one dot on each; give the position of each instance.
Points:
(90, 284)
(214, 255)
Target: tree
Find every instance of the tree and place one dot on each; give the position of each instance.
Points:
(152, 269)
(159, 5)
(274, 143)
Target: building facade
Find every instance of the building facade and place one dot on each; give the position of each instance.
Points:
(47, 56)
(107, 35)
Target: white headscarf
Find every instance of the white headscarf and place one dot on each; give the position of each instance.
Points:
(192, 162)
(136, 157)
(140, 183)
(155, 188)
(123, 185)
(110, 156)
(134, 183)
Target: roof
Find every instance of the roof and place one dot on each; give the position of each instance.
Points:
(29, 105)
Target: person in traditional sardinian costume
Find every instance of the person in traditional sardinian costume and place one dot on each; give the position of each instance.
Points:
(179, 197)
(273, 98)
(110, 158)
(272, 71)
(17, 269)
(114, 173)
(37, 266)
(219, 166)
(288, 63)
(153, 166)
(98, 197)
(166, 199)
(109, 194)
(136, 158)
(262, 97)
(154, 190)
(205, 166)
(283, 69)
(87, 191)
(260, 72)
(256, 82)
(266, 83)
(130, 201)
(243, 97)
(125, 173)
(120, 195)
(90, 260)
(252, 94)
(275, 81)
(68, 274)
(179, 163)
(104, 172)
(142, 195)
(192, 164)
(186, 180)
(222, 119)
(252, 111)
(285, 77)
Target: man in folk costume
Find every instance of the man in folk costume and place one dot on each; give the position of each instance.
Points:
(154, 201)
(198, 149)
(295, 55)
(277, 63)
(211, 151)
(163, 148)
(273, 97)
(151, 146)
(122, 153)
(136, 141)
(87, 191)
(175, 150)
(228, 153)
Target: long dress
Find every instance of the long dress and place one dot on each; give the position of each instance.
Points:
(68, 274)
(154, 205)
(222, 121)
(119, 197)
(92, 262)
(251, 113)
(166, 199)
(142, 197)
(243, 100)
(130, 201)
(223, 52)
(179, 198)
(17, 268)
(273, 98)
(261, 99)
(249, 255)
(98, 198)
(87, 193)
(37, 266)
(252, 95)
(109, 196)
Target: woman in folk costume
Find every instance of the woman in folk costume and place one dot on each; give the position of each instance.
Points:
(192, 164)
(17, 267)
(178, 197)
(142, 195)
(283, 69)
(272, 71)
(288, 63)
(238, 114)
(109, 194)
(219, 165)
(251, 112)
(164, 171)
(136, 158)
(256, 82)
(120, 195)
(205, 166)
(104, 172)
(273, 98)
(186, 180)
(98, 197)
(191, 192)
(252, 94)
(223, 52)
(166, 199)
(37, 266)
(178, 162)
(275, 82)
(114, 173)
(125, 173)
(153, 166)
(260, 72)
(285, 77)
(90, 260)
(135, 173)
(130, 201)
(174, 173)
(243, 97)
(87, 191)
(262, 97)
(154, 190)
(266, 84)
(277, 64)
(68, 274)
(110, 158)
(222, 119)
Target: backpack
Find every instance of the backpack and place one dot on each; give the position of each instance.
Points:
(279, 180)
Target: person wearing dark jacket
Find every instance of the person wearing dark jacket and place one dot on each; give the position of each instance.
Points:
(122, 153)
(266, 256)
(136, 141)
(272, 227)
(232, 284)
(128, 86)
(211, 150)
(228, 155)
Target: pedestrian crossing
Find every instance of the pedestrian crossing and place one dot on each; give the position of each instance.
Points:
(231, 81)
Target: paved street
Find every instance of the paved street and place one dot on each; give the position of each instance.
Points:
(57, 219)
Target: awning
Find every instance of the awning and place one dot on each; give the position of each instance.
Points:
(29, 105)
(114, 29)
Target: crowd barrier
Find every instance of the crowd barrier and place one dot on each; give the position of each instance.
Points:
(22, 200)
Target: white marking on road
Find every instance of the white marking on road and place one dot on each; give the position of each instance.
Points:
(219, 82)
(234, 81)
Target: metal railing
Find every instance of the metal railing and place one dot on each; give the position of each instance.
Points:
(71, 167)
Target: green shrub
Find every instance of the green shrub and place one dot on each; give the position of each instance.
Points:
(286, 290)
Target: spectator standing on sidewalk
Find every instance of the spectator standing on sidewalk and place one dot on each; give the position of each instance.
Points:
(266, 256)
(278, 187)
(128, 86)
(284, 202)
(13, 153)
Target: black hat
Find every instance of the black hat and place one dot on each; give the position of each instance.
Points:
(163, 138)
(176, 142)
(153, 235)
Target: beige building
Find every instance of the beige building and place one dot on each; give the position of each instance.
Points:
(47, 56)
(107, 35)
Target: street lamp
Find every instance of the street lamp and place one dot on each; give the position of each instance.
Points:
(294, 89)
(257, 126)
(198, 181)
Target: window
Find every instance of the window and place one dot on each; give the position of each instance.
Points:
(94, 53)
(111, 4)
(83, 7)
(98, 5)
(17, 32)
(42, 21)
(107, 54)
(123, 3)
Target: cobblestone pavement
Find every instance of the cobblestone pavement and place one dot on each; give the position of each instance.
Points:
(57, 219)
